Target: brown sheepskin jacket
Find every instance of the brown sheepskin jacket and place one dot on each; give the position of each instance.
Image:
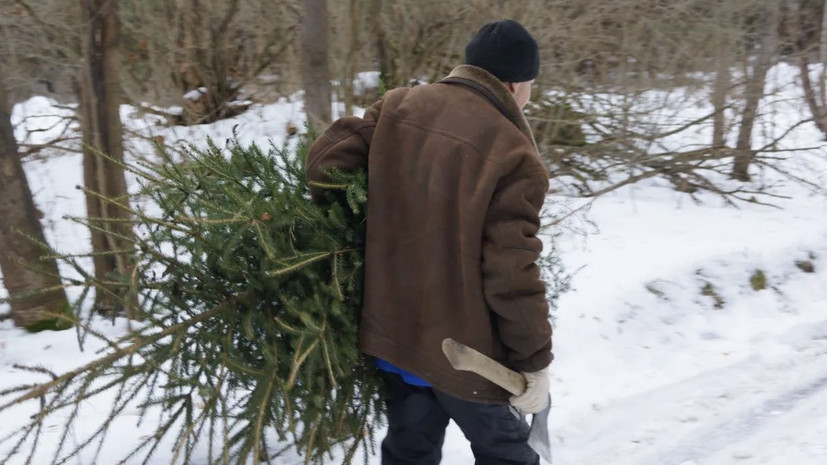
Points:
(455, 186)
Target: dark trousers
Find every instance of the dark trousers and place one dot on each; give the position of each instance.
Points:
(418, 416)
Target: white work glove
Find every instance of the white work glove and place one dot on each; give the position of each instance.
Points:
(535, 397)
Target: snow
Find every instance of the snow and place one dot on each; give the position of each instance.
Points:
(367, 81)
(195, 94)
(648, 369)
(40, 120)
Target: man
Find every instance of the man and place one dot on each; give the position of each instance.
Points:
(455, 186)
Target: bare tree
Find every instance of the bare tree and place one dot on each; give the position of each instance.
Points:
(418, 39)
(815, 94)
(386, 71)
(33, 283)
(107, 200)
(205, 56)
(723, 75)
(315, 67)
(754, 88)
(631, 49)
(38, 43)
(352, 55)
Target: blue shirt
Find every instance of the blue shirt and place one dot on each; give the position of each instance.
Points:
(407, 377)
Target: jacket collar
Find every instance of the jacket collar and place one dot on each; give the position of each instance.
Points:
(496, 89)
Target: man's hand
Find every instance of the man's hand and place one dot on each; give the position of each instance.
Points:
(535, 397)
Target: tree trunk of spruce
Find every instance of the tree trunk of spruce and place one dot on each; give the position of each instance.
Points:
(315, 68)
(754, 90)
(108, 211)
(32, 283)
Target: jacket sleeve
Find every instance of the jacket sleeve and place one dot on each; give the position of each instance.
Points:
(512, 285)
(344, 145)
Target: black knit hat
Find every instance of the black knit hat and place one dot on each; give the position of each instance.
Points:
(506, 50)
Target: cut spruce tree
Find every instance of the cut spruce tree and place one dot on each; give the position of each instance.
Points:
(249, 295)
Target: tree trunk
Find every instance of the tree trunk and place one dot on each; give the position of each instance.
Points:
(818, 110)
(719, 98)
(822, 55)
(754, 90)
(720, 91)
(33, 283)
(351, 63)
(315, 67)
(387, 75)
(103, 154)
(816, 104)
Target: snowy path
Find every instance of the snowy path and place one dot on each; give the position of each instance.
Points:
(722, 416)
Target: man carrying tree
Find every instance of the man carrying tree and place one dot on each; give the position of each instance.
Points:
(455, 187)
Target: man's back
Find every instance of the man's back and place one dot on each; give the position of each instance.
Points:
(454, 186)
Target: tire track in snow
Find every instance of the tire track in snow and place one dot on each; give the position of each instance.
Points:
(736, 429)
(693, 421)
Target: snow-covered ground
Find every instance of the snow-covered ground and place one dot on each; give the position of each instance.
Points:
(649, 371)
(665, 354)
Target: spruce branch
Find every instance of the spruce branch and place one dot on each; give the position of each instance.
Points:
(44, 388)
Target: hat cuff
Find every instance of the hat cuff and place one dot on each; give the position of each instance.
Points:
(519, 75)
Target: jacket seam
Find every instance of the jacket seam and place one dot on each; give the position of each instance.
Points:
(447, 135)
(355, 131)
